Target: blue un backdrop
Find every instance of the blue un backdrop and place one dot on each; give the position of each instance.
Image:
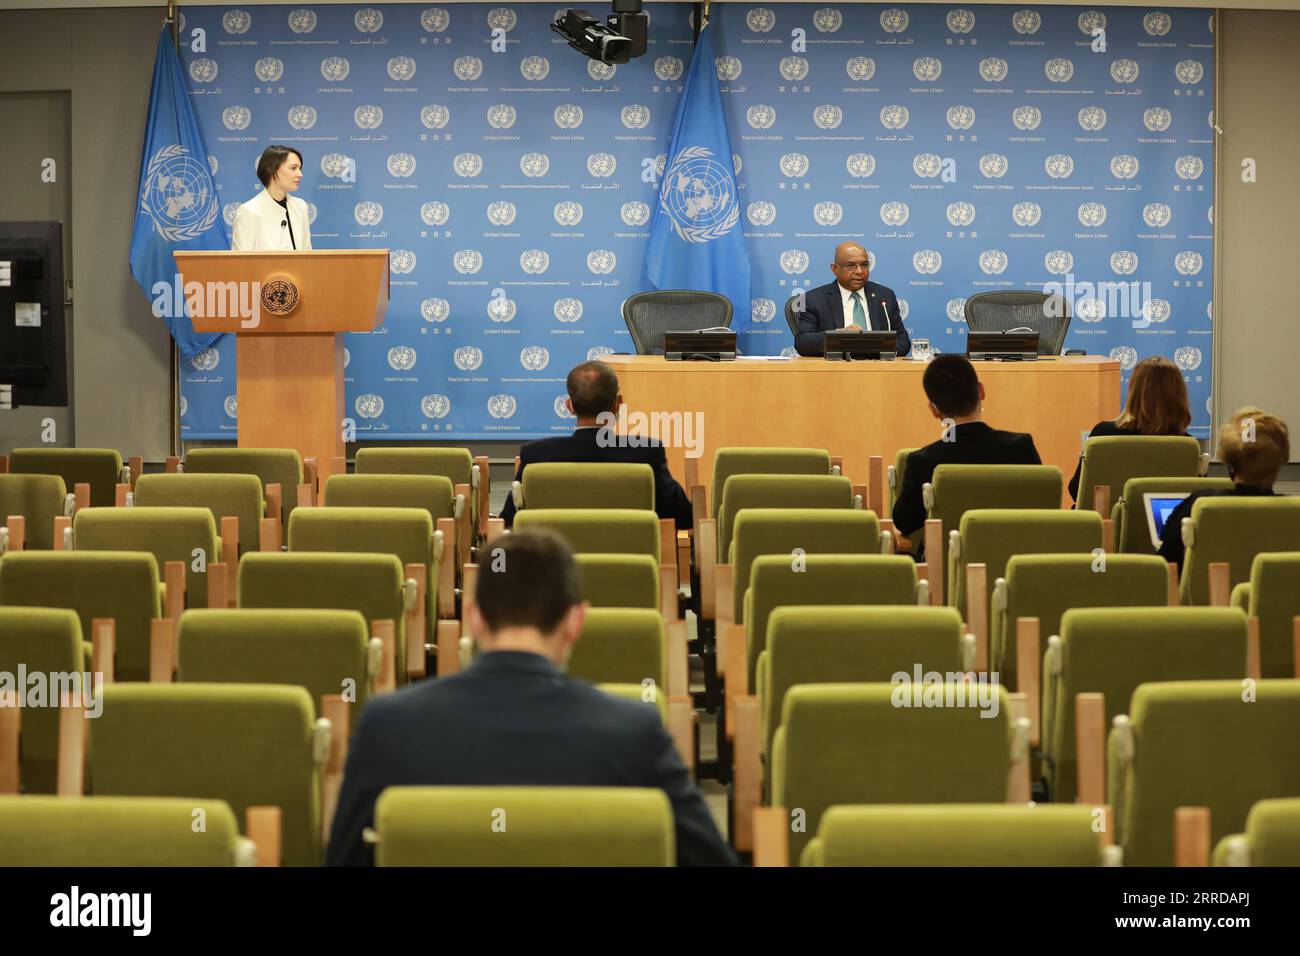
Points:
(969, 149)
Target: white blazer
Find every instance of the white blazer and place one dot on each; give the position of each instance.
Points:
(259, 225)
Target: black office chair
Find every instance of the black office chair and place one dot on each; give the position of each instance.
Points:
(791, 316)
(650, 314)
(1047, 314)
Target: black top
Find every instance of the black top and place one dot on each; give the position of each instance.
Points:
(1101, 429)
(1171, 544)
(670, 500)
(287, 222)
(975, 443)
(513, 719)
(824, 312)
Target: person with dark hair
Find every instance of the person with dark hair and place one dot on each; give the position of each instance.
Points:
(1157, 405)
(513, 718)
(594, 399)
(1254, 444)
(273, 219)
(850, 302)
(955, 396)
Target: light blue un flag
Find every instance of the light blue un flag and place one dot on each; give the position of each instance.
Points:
(696, 237)
(178, 206)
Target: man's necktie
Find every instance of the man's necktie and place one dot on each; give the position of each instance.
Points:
(859, 314)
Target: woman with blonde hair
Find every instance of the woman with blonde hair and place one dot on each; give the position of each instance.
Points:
(1254, 445)
(1157, 405)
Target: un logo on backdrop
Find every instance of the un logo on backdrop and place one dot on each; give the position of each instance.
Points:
(435, 20)
(501, 116)
(927, 165)
(401, 69)
(956, 310)
(860, 68)
(927, 261)
(1126, 356)
(794, 165)
(894, 213)
(601, 71)
(435, 310)
(601, 165)
(467, 165)
(236, 117)
(302, 21)
(1058, 262)
(1026, 214)
(1026, 21)
(699, 196)
(1156, 215)
(761, 213)
(236, 22)
(401, 358)
(860, 165)
(1188, 358)
(1123, 262)
(467, 261)
(828, 116)
(534, 261)
(828, 213)
(560, 408)
(1157, 23)
(668, 68)
(1188, 263)
(534, 358)
(1090, 310)
(893, 20)
(601, 261)
(1092, 214)
(635, 116)
(231, 406)
(1189, 167)
(762, 310)
(1026, 117)
(567, 309)
(401, 165)
(369, 405)
(794, 262)
(228, 212)
(534, 165)
(1124, 166)
(635, 213)
(1157, 119)
(960, 21)
(1059, 165)
(502, 406)
(467, 358)
(794, 68)
(567, 213)
(368, 117)
(993, 262)
(501, 213)
(501, 18)
(1189, 72)
(534, 68)
(501, 309)
(435, 213)
(894, 117)
(961, 214)
(827, 20)
(728, 68)
(302, 117)
(205, 360)
(203, 70)
(568, 116)
(435, 406)
(993, 69)
(401, 261)
(467, 68)
(760, 116)
(335, 69)
(1092, 118)
(1156, 310)
(368, 213)
(927, 69)
(1091, 20)
(1124, 70)
(1058, 69)
(368, 20)
(760, 20)
(435, 116)
(961, 117)
(993, 165)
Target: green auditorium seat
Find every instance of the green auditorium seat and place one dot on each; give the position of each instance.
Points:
(1129, 513)
(621, 646)
(1110, 461)
(38, 500)
(1233, 530)
(226, 496)
(1272, 597)
(1272, 837)
(101, 468)
(282, 467)
(185, 535)
(585, 485)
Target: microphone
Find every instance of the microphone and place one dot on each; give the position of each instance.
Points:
(284, 223)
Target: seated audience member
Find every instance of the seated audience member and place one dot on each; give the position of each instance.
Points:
(1254, 445)
(955, 395)
(513, 718)
(593, 392)
(1157, 405)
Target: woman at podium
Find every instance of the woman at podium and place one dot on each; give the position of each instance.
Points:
(274, 220)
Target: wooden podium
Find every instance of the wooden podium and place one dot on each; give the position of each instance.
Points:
(289, 349)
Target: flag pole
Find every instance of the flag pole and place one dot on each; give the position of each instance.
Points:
(174, 417)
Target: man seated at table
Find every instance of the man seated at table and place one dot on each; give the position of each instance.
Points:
(593, 393)
(956, 397)
(850, 302)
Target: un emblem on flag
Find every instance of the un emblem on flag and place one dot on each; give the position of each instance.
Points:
(178, 195)
(699, 196)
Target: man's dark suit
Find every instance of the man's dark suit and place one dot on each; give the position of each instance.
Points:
(513, 719)
(824, 312)
(670, 500)
(975, 443)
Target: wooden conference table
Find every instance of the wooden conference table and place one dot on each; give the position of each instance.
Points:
(859, 409)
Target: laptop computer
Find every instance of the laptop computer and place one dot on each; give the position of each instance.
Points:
(1159, 505)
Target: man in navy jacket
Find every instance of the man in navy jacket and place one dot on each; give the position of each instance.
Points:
(850, 302)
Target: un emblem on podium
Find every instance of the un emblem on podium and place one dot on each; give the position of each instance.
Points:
(280, 296)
